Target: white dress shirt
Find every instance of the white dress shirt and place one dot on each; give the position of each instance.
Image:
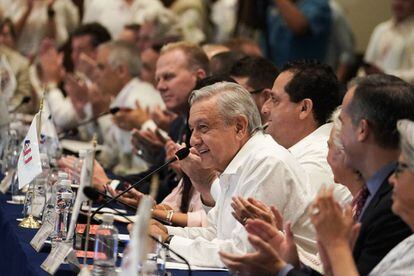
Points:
(117, 148)
(391, 48)
(115, 14)
(261, 169)
(311, 152)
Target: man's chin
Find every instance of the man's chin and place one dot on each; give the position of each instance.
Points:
(206, 163)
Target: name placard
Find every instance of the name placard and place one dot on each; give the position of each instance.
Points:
(42, 234)
(56, 258)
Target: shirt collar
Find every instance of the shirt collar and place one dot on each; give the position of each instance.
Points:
(374, 183)
(239, 159)
(322, 131)
(122, 96)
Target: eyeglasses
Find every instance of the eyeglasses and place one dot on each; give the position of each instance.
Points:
(400, 168)
(257, 91)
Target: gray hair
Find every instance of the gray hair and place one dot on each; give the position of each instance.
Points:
(336, 128)
(406, 130)
(232, 100)
(123, 53)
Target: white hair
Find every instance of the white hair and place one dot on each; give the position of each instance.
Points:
(232, 100)
(336, 128)
(123, 53)
(406, 130)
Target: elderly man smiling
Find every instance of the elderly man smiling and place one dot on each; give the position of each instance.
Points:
(227, 137)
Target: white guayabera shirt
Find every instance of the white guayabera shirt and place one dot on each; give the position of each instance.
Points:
(261, 169)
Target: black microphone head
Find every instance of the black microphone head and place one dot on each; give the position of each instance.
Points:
(114, 110)
(26, 99)
(182, 153)
(91, 193)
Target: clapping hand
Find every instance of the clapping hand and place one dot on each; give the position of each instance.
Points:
(335, 225)
(162, 117)
(264, 261)
(127, 118)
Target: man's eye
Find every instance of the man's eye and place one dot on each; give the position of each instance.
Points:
(168, 76)
(202, 128)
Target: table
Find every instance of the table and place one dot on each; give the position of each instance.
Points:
(17, 257)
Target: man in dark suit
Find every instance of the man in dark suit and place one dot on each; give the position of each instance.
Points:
(369, 115)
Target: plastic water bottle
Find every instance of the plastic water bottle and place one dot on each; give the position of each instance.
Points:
(49, 212)
(36, 200)
(77, 166)
(63, 204)
(106, 247)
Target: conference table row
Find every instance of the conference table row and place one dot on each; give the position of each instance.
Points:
(17, 257)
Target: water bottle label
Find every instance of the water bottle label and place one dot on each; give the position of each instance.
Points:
(66, 195)
(37, 206)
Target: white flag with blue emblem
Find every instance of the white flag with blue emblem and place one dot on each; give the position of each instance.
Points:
(29, 165)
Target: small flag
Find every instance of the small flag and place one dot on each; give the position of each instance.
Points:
(27, 157)
(29, 165)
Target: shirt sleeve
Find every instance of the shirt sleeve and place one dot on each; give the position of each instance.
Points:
(318, 14)
(61, 108)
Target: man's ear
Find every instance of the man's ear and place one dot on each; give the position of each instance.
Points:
(200, 74)
(122, 71)
(241, 124)
(363, 130)
(266, 94)
(306, 108)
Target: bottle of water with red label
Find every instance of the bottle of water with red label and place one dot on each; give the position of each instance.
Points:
(63, 205)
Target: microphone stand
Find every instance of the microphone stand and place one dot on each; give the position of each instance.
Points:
(181, 154)
(112, 111)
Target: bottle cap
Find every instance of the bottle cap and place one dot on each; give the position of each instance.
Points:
(63, 175)
(108, 218)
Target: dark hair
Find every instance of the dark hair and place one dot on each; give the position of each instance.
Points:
(382, 100)
(99, 34)
(221, 63)
(261, 73)
(317, 82)
(188, 189)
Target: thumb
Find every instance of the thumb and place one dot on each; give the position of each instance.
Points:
(289, 232)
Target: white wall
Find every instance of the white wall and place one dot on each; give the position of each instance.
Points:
(364, 15)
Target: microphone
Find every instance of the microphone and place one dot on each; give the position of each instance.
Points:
(179, 155)
(95, 195)
(24, 101)
(112, 111)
